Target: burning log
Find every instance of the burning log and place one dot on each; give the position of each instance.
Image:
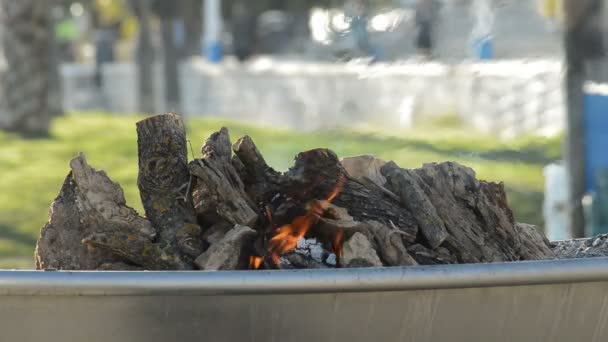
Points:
(230, 210)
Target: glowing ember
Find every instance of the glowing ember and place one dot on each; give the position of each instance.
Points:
(287, 236)
(255, 262)
(269, 215)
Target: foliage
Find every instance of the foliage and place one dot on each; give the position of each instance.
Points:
(33, 169)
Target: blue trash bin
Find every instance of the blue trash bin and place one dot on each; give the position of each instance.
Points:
(484, 48)
(596, 156)
(214, 52)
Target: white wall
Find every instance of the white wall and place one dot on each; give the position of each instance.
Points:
(508, 98)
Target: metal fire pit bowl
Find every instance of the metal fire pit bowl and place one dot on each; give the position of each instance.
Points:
(558, 300)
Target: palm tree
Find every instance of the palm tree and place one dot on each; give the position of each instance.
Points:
(26, 104)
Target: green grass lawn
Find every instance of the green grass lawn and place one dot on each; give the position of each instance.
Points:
(32, 170)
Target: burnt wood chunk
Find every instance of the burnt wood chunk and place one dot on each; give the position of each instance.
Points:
(359, 252)
(218, 191)
(261, 181)
(229, 253)
(410, 190)
(89, 203)
(447, 198)
(534, 244)
(164, 182)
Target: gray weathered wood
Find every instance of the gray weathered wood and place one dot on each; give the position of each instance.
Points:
(89, 203)
(229, 253)
(261, 181)
(164, 181)
(475, 214)
(218, 192)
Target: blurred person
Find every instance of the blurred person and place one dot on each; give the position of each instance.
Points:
(244, 28)
(482, 37)
(358, 13)
(426, 16)
(144, 55)
(551, 10)
(107, 20)
(168, 12)
(66, 34)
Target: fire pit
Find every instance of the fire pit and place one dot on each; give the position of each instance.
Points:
(352, 249)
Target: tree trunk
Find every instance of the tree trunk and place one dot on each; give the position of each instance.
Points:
(581, 44)
(171, 67)
(168, 12)
(191, 12)
(26, 81)
(145, 57)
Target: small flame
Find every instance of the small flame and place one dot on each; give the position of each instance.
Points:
(269, 215)
(287, 236)
(337, 246)
(255, 262)
(337, 189)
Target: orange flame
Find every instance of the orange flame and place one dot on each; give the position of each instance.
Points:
(287, 236)
(337, 246)
(255, 262)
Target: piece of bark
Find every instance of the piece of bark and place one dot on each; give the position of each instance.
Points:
(359, 252)
(475, 213)
(365, 167)
(409, 188)
(389, 245)
(261, 181)
(317, 173)
(89, 203)
(164, 182)
(230, 252)
(138, 250)
(218, 192)
(535, 244)
(387, 242)
(425, 256)
(216, 232)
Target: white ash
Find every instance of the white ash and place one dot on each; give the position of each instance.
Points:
(331, 259)
(308, 249)
(284, 263)
(596, 246)
(312, 248)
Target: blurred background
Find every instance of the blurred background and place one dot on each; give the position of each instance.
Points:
(494, 84)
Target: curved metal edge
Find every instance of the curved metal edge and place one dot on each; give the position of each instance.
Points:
(38, 283)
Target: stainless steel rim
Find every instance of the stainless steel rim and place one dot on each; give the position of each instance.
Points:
(64, 283)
